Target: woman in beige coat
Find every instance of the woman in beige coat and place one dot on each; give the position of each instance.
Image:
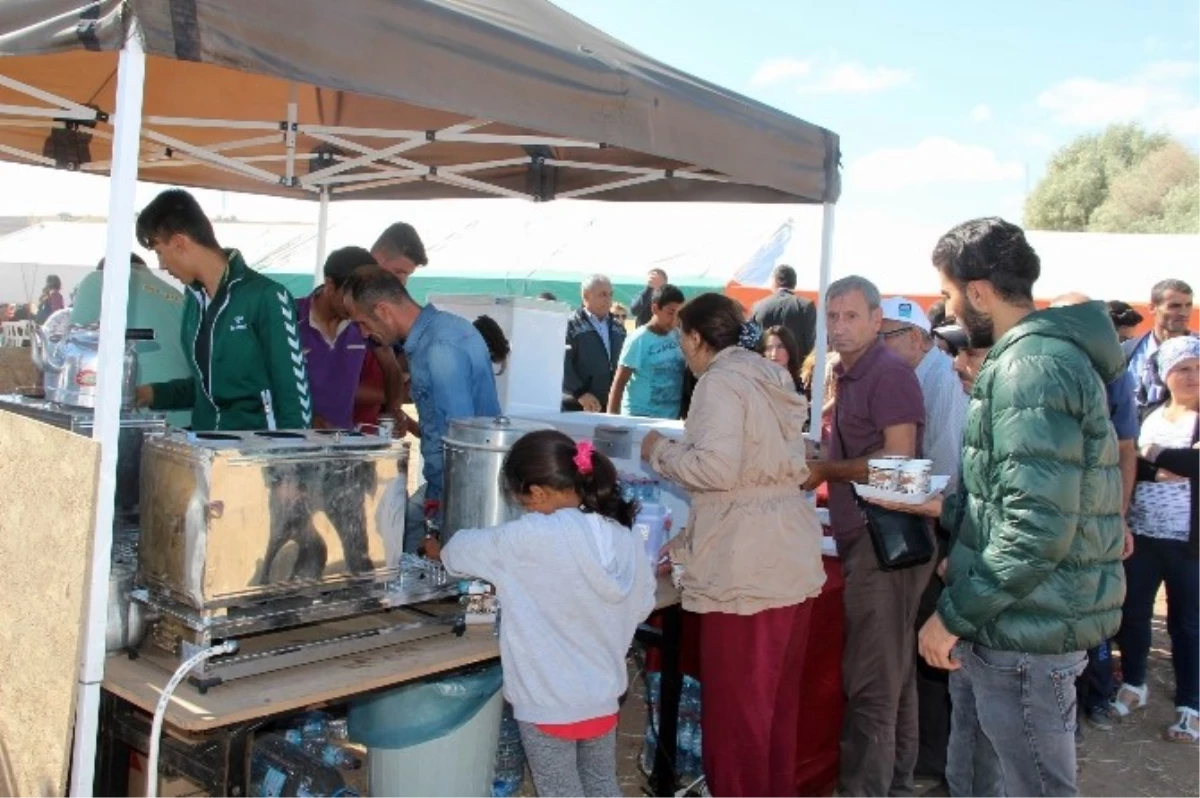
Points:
(751, 551)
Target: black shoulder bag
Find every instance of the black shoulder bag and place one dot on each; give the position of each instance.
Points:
(901, 540)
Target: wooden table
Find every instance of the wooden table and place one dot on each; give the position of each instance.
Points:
(215, 728)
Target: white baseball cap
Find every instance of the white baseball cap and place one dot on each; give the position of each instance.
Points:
(905, 311)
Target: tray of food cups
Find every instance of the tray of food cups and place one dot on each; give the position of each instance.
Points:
(903, 480)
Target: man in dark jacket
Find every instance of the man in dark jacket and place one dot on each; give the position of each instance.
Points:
(1171, 304)
(786, 309)
(594, 341)
(640, 307)
(1034, 576)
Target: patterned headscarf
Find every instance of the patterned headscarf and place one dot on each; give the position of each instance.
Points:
(1174, 351)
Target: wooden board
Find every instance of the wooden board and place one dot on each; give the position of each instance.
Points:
(46, 518)
(140, 682)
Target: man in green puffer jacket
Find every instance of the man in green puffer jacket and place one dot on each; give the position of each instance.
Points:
(1034, 575)
(239, 329)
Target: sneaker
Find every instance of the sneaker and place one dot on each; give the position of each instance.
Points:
(1100, 718)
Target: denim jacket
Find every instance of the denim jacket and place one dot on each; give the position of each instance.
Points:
(451, 378)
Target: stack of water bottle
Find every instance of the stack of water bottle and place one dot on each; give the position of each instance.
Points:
(653, 521)
(509, 770)
(306, 758)
(689, 766)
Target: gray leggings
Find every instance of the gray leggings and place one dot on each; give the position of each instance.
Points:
(571, 767)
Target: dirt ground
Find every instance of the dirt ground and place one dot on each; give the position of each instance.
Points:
(1132, 759)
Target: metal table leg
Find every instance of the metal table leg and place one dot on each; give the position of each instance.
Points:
(237, 760)
(662, 780)
(112, 751)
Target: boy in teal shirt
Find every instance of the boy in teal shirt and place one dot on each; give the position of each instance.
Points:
(649, 380)
(153, 304)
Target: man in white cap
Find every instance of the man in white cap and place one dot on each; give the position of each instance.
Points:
(906, 331)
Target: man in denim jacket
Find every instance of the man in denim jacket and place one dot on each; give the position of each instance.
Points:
(451, 370)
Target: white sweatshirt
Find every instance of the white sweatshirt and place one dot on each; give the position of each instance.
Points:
(573, 587)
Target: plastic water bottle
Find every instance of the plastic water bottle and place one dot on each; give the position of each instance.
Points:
(277, 767)
(650, 740)
(323, 749)
(684, 764)
(510, 757)
(652, 522)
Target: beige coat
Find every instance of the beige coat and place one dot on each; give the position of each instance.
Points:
(752, 542)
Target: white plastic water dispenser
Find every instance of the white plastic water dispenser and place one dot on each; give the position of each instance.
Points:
(582, 426)
(537, 335)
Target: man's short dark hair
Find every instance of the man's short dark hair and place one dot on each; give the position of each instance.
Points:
(134, 260)
(666, 294)
(175, 212)
(1160, 289)
(368, 285)
(660, 273)
(992, 250)
(785, 276)
(343, 262)
(401, 239)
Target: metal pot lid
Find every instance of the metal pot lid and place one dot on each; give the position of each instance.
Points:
(492, 432)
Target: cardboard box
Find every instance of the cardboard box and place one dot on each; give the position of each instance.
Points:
(168, 787)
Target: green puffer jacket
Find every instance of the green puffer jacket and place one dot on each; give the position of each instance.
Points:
(1035, 559)
(254, 348)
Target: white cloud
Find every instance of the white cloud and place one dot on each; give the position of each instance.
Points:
(981, 113)
(814, 77)
(779, 70)
(933, 161)
(1160, 96)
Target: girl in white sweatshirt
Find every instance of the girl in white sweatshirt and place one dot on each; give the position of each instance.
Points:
(574, 582)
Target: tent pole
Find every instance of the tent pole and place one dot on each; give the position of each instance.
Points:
(818, 391)
(322, 233)
(127, 123)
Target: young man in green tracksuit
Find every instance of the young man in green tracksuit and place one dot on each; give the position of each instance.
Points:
(239, 329)
(242, 347)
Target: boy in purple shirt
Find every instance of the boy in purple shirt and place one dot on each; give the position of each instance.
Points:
(334, 347)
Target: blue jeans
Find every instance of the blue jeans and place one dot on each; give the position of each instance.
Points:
(1012, 731)
(1154, 562)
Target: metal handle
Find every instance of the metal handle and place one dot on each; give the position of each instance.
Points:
(139, 334)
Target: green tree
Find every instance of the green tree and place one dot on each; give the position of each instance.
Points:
(1137, 197)
(1122, 180)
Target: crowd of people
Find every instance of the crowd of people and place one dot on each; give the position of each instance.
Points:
(1070, 440)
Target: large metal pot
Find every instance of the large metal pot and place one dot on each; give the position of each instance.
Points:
(69, 365)
(126, 624)
(475, 449)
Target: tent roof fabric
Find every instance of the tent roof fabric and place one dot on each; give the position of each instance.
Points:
(413, 96)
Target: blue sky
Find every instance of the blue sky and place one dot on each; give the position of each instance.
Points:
(945, 109)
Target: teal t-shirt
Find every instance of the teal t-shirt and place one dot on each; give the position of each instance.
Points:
(655, 389)
(153, 304)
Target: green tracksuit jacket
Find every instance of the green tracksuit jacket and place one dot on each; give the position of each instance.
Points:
(254, 375)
